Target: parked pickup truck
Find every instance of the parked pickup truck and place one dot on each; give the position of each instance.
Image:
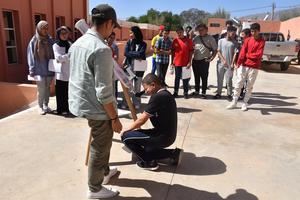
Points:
(277, 50)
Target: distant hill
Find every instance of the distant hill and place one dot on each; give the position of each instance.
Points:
(281, 15)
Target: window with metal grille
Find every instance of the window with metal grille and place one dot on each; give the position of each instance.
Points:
(59, 21)
(38, 18)
(214, 25)
(10, 37)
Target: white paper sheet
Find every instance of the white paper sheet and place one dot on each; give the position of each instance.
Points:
(54, 66)
(186, 73)
(140, 65)
(34, 78)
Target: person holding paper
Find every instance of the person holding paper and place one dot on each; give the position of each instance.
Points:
(135, 50)
(182, 52)
(91, 95)
(39, 52)
(205, 51)
(149, 144)
(227, 48)
(61, 48)
(163, 49)
(153, 43)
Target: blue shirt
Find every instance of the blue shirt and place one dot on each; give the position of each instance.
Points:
(38, 67)
(91, 83)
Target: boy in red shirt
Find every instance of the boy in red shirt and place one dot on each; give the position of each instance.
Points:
(248, 64)
(182, 52)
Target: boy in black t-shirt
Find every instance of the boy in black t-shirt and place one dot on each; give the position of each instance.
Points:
(149, 144)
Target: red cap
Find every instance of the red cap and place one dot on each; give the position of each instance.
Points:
(161, 27)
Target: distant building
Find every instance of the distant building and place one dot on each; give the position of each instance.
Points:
(17, 26)
(216, 25)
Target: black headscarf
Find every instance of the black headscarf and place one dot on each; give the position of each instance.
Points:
(138, 35)
(62, 43)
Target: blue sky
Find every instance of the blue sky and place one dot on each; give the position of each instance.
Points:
(127, 8)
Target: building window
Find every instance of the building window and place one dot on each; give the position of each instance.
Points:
(214, 25)
(59, 21)
(10, 37)
(38, 18)
(77, 33)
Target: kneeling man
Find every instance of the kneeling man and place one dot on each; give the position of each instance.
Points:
(149, 145)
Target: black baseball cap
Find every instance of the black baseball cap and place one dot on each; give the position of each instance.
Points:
(106, 12)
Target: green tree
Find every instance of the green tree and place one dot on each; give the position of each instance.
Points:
(143, 19)
(193, 17)
(221, 13)
(133, 19)
(153, 16)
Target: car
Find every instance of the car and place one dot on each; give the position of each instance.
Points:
(279, 51)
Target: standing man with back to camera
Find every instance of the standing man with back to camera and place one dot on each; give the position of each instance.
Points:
(91, 95)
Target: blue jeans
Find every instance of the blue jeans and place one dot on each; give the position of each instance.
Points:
(178, 73)
(153, 66)
(147, 144)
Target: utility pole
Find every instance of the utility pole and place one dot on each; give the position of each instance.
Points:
(273, 10)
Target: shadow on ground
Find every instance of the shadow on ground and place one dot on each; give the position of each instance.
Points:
(187, 110)
(276, 103)
(202, 166)
(163, 191)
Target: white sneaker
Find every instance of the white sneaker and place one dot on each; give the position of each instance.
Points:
(41, 111)
(47, 109)
(244, 107)
(103, 193)
(112, 171)
(232, 105)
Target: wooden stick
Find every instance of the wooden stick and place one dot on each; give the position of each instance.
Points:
(88, 150)
(129, 102)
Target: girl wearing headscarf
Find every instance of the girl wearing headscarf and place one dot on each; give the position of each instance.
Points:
(61, 48)
(39, 52)
(135, 49)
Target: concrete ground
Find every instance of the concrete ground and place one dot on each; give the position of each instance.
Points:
(229, 155)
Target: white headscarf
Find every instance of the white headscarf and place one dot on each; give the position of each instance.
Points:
(42, 48)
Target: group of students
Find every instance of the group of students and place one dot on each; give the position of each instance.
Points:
(42, 49)
(89, 82)
(196, 49)
(186, 50)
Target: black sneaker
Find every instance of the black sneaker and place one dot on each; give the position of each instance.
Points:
(151, 165)
(195, 93)
(185, 96)
(177, 156)
(203, 96)
(175, 95)
(229, 97)
(217, 96)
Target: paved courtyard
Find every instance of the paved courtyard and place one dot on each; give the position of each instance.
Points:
(229, 155)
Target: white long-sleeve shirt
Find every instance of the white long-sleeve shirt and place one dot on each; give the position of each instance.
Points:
(62, 57)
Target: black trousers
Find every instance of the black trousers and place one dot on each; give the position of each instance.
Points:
(178, 75)
(61, 90)
(147, 145)
(162, 71)
(200, 69)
